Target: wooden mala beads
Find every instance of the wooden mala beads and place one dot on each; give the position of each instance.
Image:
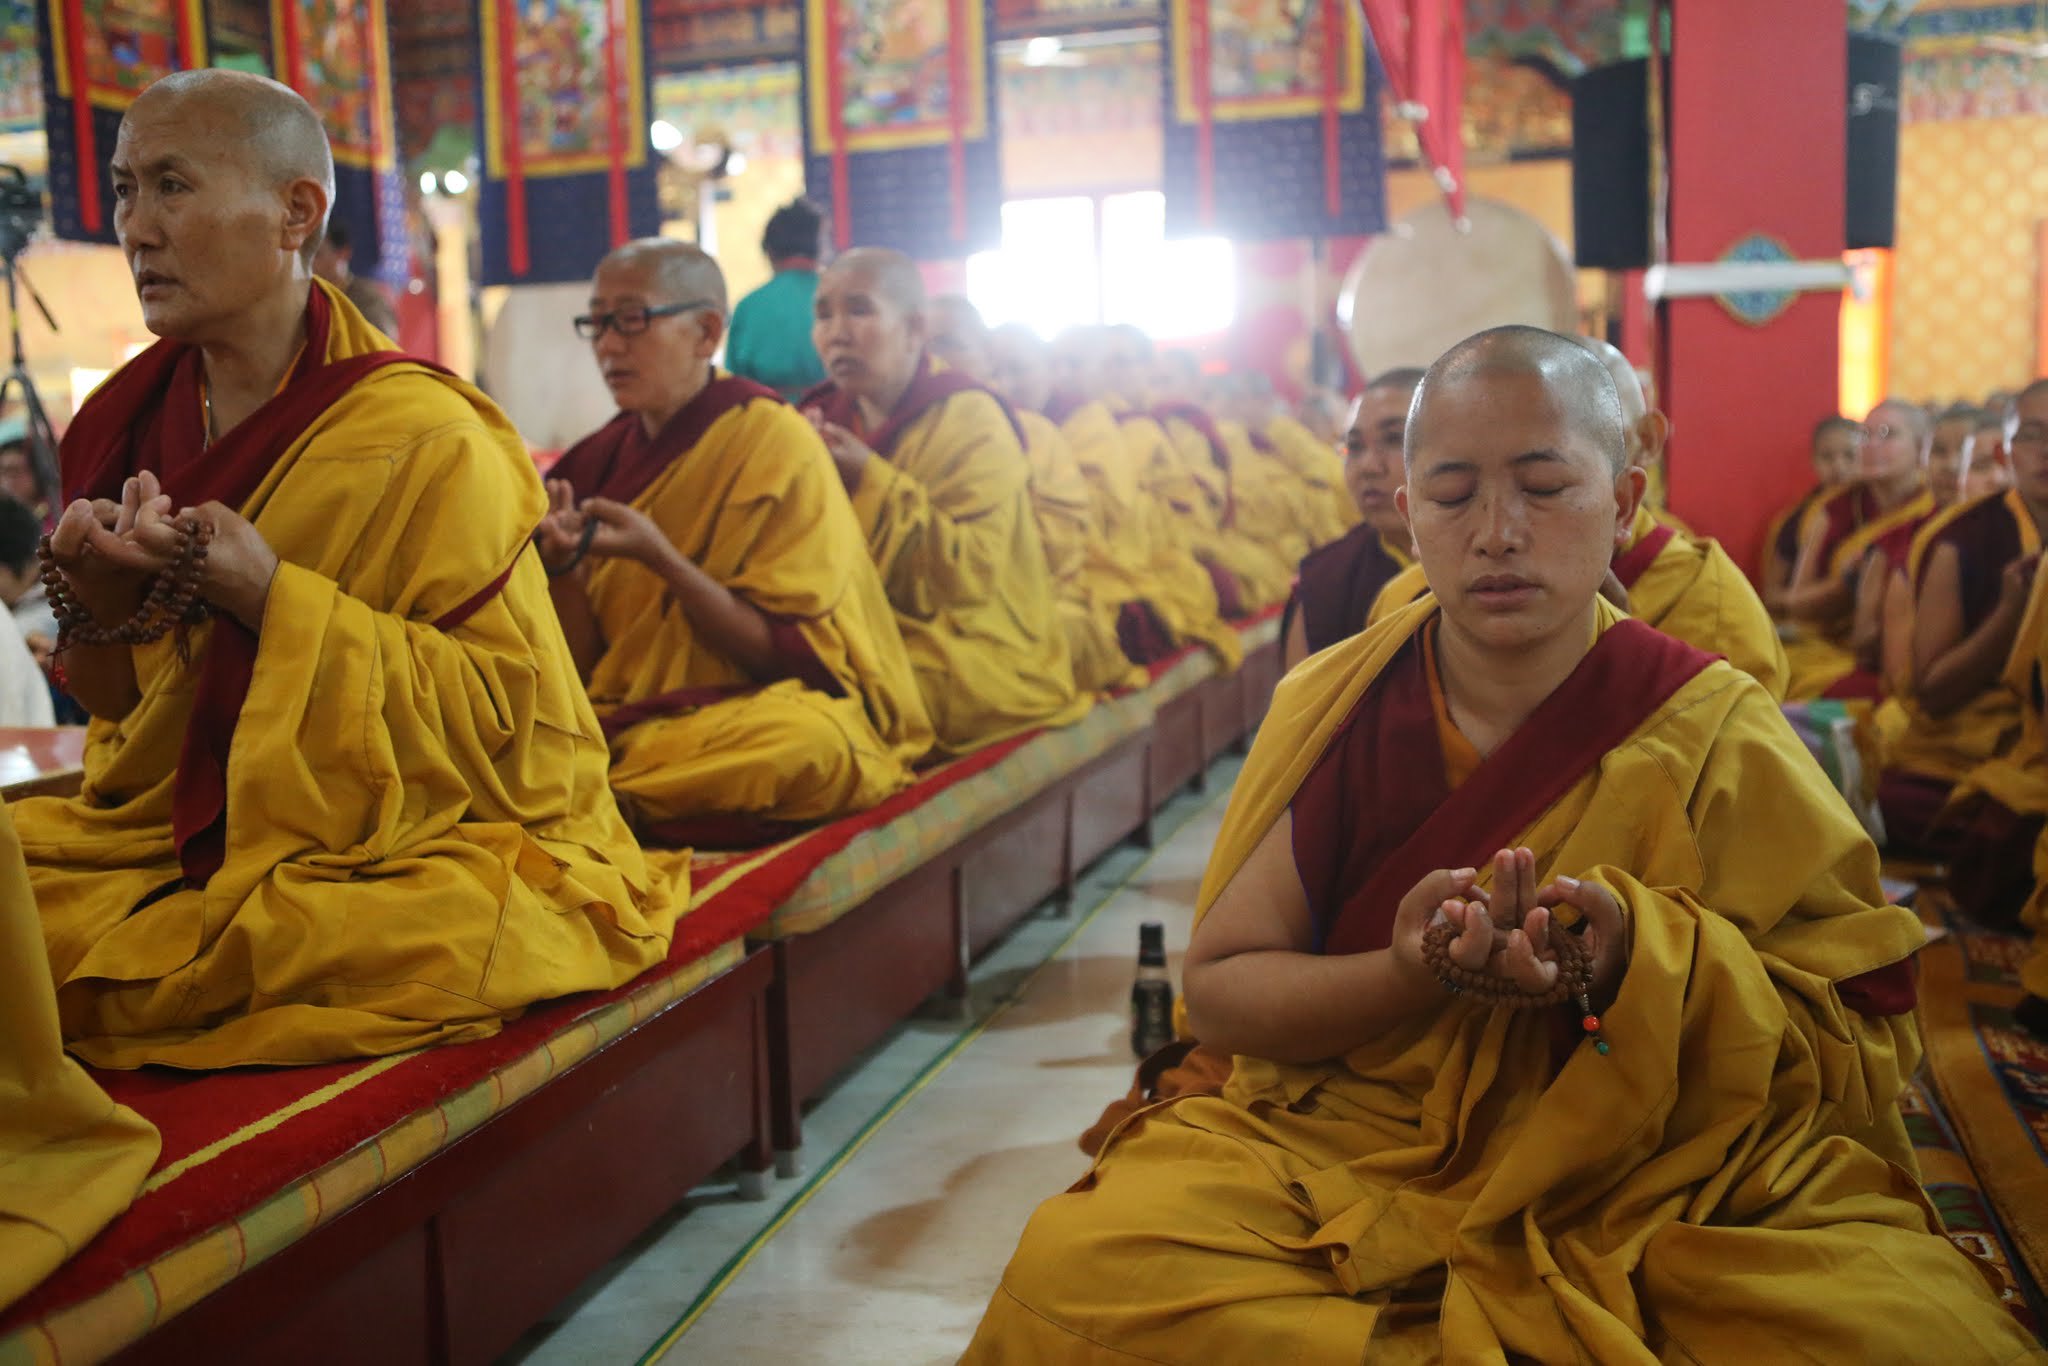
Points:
(1574, 977)
(172, 601)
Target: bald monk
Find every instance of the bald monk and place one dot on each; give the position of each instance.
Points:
(1392, 1171)
(1139, 529)
(1092, 596)
(1835, 451)
(1836, 535)
(1950, 788)
(370, 812)
(1684, 585)
(70, 1159)
(936, 467)
(734, 634)
(1339, 582)
(1226, 514)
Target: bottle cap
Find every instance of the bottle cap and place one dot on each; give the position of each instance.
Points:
(1152, 941)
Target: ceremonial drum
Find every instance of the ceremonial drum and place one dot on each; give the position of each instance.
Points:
(1427, 283)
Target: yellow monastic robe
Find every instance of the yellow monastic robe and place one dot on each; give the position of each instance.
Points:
(1203, 500)
(1150, 560)
(756, 504)
(947, 515)
(2019, 779)
(1090, 586)
(419, 836)
(1448, 1193)
(1691, 590)
(70, 1159)
(1322, 470)
(1951, 747)
(1821, 660)
(1269, 504)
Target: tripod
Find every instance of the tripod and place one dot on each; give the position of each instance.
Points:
(42, 437)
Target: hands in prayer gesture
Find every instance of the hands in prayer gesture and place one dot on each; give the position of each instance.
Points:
(1505, 932)
(108, 551)
(614, 530)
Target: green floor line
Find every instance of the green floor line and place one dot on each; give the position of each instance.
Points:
(737, 1263)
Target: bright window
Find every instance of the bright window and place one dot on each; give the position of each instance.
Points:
(1076, 260)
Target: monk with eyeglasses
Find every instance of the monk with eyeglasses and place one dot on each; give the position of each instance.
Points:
(715, 584)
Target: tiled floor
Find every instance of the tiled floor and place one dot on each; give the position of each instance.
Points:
(921, 1166)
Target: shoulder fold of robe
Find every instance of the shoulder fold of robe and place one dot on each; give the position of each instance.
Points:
(1855, 523)
(1689, 588)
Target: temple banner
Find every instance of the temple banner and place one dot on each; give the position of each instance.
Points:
(1272, 126)
(337, 53)
(98, 55)
(899, 126)
(568, 170)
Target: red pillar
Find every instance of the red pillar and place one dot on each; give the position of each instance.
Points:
(1759, 93)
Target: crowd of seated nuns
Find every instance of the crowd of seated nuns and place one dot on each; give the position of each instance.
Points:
(373, 764)
(1906, 585)
(1543, 1001)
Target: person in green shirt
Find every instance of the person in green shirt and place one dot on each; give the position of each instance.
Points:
(770, 340)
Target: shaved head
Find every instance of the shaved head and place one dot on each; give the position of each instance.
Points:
(1403, 380)
(1568, 369)
(679, 271)
(957, 335)
(1628, 385)
(891, 274)
(269, 126)
(1021, 366)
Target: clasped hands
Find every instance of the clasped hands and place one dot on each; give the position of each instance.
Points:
(108, 551)
(616, 531)
(1506, 931)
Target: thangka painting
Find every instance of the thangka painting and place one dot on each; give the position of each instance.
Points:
(21, 76)
(1267, 58)
(568, 170)
(899, 125)
(895, 63)
(337, 53)
(567, 57)
(1273, 127)
(97, 56)
(751, 110)
(124, 46)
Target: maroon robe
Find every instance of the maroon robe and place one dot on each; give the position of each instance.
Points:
(1337, 586)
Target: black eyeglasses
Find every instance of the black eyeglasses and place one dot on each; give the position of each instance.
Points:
(631, 322)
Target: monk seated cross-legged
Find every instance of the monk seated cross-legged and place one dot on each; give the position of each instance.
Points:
(941, 489)
(343, 792)
(736, 639)
(1674, 1136)
(1339, 582)
(1836, 453)
(1962, 784)
(1835, 537)
(1092, 593)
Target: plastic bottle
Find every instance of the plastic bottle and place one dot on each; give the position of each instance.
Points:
(1151, 993)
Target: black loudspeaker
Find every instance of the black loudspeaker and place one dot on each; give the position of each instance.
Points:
(1611, 166)
(1873, 140)
(1611, 156)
